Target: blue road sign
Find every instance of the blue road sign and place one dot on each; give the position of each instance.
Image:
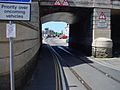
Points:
(16, 1)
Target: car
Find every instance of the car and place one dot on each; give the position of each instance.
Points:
(63, 37)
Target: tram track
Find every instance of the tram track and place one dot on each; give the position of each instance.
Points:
(83, 82)
(104, 73)
(78, 74)
(79, 78)
(60, 80)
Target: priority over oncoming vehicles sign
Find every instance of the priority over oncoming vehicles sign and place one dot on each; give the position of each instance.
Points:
(10, 11)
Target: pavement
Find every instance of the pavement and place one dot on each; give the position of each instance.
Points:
(113, 63)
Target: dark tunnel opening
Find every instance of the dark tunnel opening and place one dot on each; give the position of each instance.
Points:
(80, 25)
(81, 33)
(115, 32)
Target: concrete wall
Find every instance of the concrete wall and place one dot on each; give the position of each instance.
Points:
(86, 3)
(115, 4)
(101, 26)
(102, 33)
(26, 47)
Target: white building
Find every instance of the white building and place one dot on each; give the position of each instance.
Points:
(66, 31)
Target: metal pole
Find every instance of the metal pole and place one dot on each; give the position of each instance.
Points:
(12, 81)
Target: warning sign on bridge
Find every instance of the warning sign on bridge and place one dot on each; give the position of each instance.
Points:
(61, 3)
(102, 16)
(102, 23)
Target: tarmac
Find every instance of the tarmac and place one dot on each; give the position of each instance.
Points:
(113, 63)
(44, 76)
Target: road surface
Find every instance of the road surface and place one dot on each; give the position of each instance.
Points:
(80, 73)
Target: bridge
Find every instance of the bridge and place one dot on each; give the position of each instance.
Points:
(89, 20)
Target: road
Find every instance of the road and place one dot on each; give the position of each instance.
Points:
(56, 41)
(44, 75)
(95, 76)
(79, 72)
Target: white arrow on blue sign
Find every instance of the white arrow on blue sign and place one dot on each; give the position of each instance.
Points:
(17, 1)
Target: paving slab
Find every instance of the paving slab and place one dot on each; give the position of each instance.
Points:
(113, 63)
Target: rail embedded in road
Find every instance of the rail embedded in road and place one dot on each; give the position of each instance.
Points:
(80, 79)
(60, 79)
(83, 60)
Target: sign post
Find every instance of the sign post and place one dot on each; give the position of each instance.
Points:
(12, 80)
(11, 33)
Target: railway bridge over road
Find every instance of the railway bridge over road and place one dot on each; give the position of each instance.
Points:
(88, 19)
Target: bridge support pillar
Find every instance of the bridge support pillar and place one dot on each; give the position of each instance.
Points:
(81, 35)
(101, 33)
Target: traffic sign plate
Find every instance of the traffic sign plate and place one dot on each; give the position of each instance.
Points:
(17, 1)
(102, 16)
(11, 30)
(14, 11)
(61, 3)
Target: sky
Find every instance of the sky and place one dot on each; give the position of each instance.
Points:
(56, 26)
